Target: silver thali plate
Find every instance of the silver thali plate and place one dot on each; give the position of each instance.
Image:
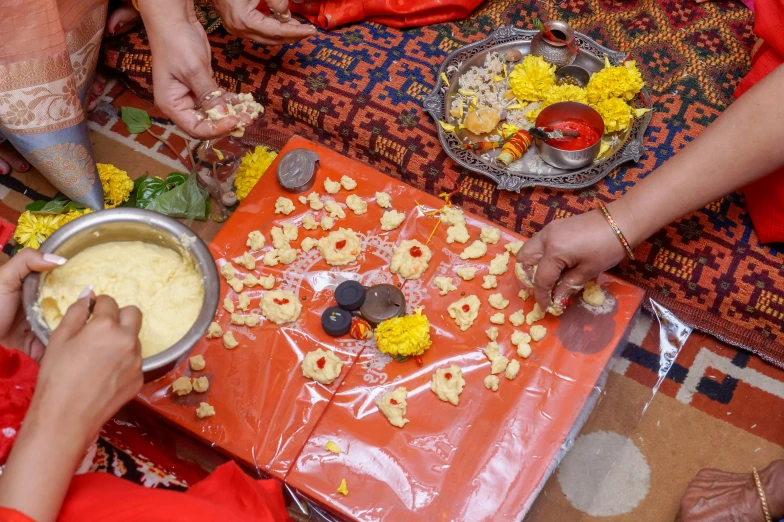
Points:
(530, 170)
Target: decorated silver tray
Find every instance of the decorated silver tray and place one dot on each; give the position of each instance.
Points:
(530, 170)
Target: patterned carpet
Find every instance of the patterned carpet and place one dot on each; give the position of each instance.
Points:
(359, 90)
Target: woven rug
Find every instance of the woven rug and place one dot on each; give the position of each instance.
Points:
(358, 89)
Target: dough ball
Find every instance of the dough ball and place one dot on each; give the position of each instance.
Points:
(309, 244)
(246, 260)
(593, 294)
(214, 330)
(492, 333)
(491, 382)
(410, 259)
(393, 406)
(489, 282)
(182, 386)
(303, 200)
(464, 311)
(383, 200)
(279, 238)
(270, 258)
(235, 284)
(340, 247)
(250, 281)
(356, 204)
(517, 318)
(452, 216)
(392, 219)
(519, 338)
(523, 294)
(255, 240)
(238, 319)
(197, 363)
(512, 369)
(466, 273)
(538, 332)
(490, 235)
(227, 271)
(499, 364)
(444, 284)
(348, 183)
(290, 231)
(286, 255)
(500, 264)
(498, 318)
(335, 210)
(332, 187)
(205, 410)
(457, 234)
(284, 206)
(537, 314)
(229, 342)
(309, 222)
(474, 251)
(497, 301)
(524, 350)
(514, 247)
(280, 306)
(448, 384)
(267, 282)
(327, 223)
(322, 366)
(244, 301)
(200, 384)
(228, 305)
(315, 200)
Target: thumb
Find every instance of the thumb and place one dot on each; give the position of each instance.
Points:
(26, 261)
(204, 88)
(75, 317)
(572, 281)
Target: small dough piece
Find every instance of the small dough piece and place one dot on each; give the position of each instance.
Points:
(512, 369)
(524, 350)
(279, 238)
(500, 264)
(467, 273)
(291, 231)
(498, 318)
(228, 305)
(340, 247)
(214, 330)
(348, 183)
(322, 366)
(197, 363)
(228, 271)
(513, 247)
(229, 342)
(452, 216)
(309, 244)
(309, 222)
(491, 382)
(327, 223)
(474, 251)
(519, 338)
(247, 260)
(498, 364)
(270, 258)
(252, 319)
(490, 235)
(492, 332)
(393, 406)
(448, 384)
(356, 204)
(244, 301)
(492, 352)
(538, 332)
(182, 386)
(280, 306)
(457, 233)
(464, 311)
(383, 200)
(201, 384)
(315, 201)
(335, 210)
(444, 284)
(286, 255)
(235, 284)
(204, 410)
(517, 318)
(267, 282)
(303, 200)
(497, 301)
(284, 206)
(238, 319)
(410, 259)
(250, 281)
(593, 294)
(534, 315)
(255, 240)
(489, 282)
(523, 294)
(332, 187)
(391, 219)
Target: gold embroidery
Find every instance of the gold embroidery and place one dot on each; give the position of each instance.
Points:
(69, 165)
(41, 109)
(35, 72)
(92, 23)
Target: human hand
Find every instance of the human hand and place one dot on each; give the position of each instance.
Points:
(14, 329)
(241, 18)
(92, 365)
(567, 253)
(717, 495)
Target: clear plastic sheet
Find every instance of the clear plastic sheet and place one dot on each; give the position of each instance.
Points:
(485, 459)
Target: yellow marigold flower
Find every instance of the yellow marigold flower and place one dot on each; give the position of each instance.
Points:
(616, 113)
(252, 167)
(532, 78)
(559, 93)
(407, 336)
(71, 215)
(624, 81)
(117, 186)
(33, 229)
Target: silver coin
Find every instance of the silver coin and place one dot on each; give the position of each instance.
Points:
(297, 170)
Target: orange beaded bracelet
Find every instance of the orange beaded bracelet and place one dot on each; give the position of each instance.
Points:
(617, 230)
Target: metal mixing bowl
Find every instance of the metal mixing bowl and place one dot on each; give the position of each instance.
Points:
(569, 159)
(132, 224)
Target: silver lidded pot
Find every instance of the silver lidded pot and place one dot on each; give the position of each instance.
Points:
(556, 53)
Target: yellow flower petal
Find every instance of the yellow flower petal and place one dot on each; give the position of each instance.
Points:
(445, 79)
(343, 488)
(407, 336)
(117, 186)
(218, 153)
(446, 126)
(33, 229)
(334, 448)
(252, 166)
(465, 92)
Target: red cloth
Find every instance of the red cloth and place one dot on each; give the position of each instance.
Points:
(765, 197)
(17, 382)
(11, 515)
(328, 14)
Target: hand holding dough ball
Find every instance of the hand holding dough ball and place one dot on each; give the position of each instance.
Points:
(534, 315)
(309, 222)
(322, 366)
(393, 406)
(448, 384)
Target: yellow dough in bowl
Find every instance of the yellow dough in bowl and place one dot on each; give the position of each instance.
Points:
(167, 288)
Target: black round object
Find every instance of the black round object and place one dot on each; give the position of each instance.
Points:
(350, 295)
(336, 321)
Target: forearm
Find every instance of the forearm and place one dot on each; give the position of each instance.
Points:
(157, 12)
(742, 145)
(41, 464)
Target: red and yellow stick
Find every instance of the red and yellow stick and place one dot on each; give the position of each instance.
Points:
(514, 149)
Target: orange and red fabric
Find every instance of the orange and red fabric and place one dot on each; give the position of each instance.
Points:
(765, 197)
(328, 14)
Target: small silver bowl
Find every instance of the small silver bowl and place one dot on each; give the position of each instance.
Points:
(569, 159)
(132, 224)
(575, 73)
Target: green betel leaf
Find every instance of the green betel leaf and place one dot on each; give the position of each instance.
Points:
(131, 201)
(137, 120)
(36, 206)
(175, 179)
(150, 189)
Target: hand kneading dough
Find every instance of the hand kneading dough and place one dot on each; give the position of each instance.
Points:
(332, 187)
(340, 247)
(491, 382)
(410, 259)
(356, 204)
(448, 384)
(593, 294)
(490, 235)
(393, 406)
(467, 273)
(166, 288)
(322, 366)
(474, 251)
(392, 219)
(348, 183)
(444, 284)
(384, 200)
(464, 311)
(280, 306)
(204, 410)
(284, 206)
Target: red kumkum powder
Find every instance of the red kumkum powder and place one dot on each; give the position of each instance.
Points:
(280, 302)
(415, 251)
(321, 362)
(340, 244)
(447, 376)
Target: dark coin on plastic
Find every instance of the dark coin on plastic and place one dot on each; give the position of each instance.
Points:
(336, 321)
(350, 295)
(297, 170)
(382, 302)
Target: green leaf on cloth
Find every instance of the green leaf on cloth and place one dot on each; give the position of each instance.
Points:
(187, 200)
(137, 120)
